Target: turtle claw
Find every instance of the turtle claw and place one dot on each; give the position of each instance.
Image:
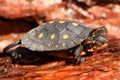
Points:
(79, 60)
(15, 56)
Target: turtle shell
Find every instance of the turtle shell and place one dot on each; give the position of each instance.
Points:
(56, 35)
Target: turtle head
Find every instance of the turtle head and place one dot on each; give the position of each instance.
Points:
(98, 39)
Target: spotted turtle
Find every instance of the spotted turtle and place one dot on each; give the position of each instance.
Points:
(60, 35)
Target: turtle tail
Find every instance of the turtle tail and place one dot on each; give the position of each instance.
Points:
(6, 49)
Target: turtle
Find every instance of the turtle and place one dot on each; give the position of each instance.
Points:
(58, 35)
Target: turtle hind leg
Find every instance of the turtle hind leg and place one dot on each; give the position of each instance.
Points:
(6, 49)
(77, 55)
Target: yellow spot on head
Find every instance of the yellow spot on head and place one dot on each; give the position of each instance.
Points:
(40, 35)
(93, 41)
(51, 22)
(90, 50)
(75, 24)
(61, 22)
(65, 36)
(63, 44)
(52, 36)
(94, 47)
(43, 23)
(83, 53)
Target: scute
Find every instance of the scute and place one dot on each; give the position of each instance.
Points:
(56, 35)
(71, 35)
(61, 26)
(75, 29)
(49, 42)
(26, 41)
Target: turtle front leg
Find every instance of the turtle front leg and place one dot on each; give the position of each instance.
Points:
(77, 55)
(6, 49)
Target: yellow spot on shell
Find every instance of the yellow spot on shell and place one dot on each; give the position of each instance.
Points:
(33, 34)
(75, 24)
(52, 36)
(56, 46)
(93, 35)
(40, 35)
(63, 44)
(51, 22)
(71, 42)
(49, 45)
(61, 22)
(65, 36)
